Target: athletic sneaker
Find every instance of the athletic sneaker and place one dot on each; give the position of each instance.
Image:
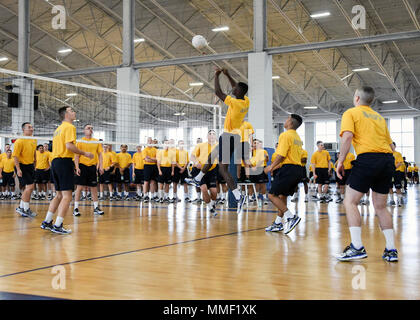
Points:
(34, 197)
(60, 229)
(187, 199)
(306, 198)
(76, 212)
(101, 198)
(14, 197)
(390, 255)
(21, 212)
(294, 199)
(291, 224)
(275, 227)
(160, 200)
(47, 225)
(328, 199)
(126, 197)
(98, 211)
(171, 200)
(339, 200)
(213, 211)
(193, 182)
(50, 197)
(399, 204)
(241, 202)
(391, 203)
(1, 197)
(223, 201)
(83, 198)
(146, 199)
(351, 253)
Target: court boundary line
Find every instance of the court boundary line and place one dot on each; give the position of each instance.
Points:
(131, 251)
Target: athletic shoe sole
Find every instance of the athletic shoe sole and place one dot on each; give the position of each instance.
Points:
(358, 257)
(293, 226)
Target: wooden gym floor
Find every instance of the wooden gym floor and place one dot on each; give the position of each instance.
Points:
(166, 252)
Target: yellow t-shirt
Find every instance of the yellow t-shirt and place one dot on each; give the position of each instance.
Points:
(260, 157)
(273, 157)
(236, 113)
(108, 159)
(290, 147)
(304, 155)
(246, 130)
(310, 167)
(151, 152)
(182, 157)
(370, 132)
(202, 152)
(8, 165)
(24, 150)
(138, 160)
(347, 162)
(94, 148)
(42, 160)
(165, 158)
(320, 159)
(416, 169)
(124, 159)
(398, 158)
(410, 169)
(3, 156)
(65, 133)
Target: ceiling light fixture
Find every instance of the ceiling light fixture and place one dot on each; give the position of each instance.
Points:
(139, 40)
(196, 84)
(275, 77)
(4, 59)
(72, 94)
(68, 50)
(389, 101)
(179, 114)
(360, 69)
(310, 107)
(320, 14)
(225, 28)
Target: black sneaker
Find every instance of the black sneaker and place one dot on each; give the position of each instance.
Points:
(42, 197)
(30, 213)
(76, 212)
(1, 197)
(47, 225)
(241, 203)
(60, 229)
(83, 198)
(351, 253)
(213, 211)
(21, 212)
(146, 199)
(98, 211)
(160, 200)
(390, 255)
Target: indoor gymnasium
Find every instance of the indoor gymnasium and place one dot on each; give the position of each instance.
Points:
(209, 149)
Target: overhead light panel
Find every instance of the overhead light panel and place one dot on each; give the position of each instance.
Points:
(320, 14)
(225, 28)
(179, 114)
(389, 101)
(310, 107)
(360, 69)
(139, 40)
(196, 84)
(71, 94)
(275, 77)
(4, 59)
(67, 50)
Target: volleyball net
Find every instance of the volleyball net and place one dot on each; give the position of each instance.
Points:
(118, 117)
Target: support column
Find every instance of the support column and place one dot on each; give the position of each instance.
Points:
(23, 87)
(128, 106)
(417, 140)
(260, 25)
(310, 140)
(128, 32)
(261, 96)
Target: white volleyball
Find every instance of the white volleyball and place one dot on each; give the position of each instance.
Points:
(199, 42)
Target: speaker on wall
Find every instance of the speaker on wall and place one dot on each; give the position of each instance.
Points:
(12, 100)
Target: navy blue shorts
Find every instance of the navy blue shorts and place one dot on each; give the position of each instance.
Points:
(62, 170)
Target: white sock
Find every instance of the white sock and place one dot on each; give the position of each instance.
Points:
(237, 193)
(212, 203)
(76, 204)
(165, 195)
(278, 220)
(58, 221)
(199, 176)
(399, 197)
(356, 237)
(288, 214)
(160, 194)
(120, 194)
(222, 195)
(155, 194)
(25, 206)
(49, 217)
(139, 192)
(101, 194)
(389, 238)
(13, 193)
(54, 194)
(199, 195)
(84, 193)
(21, 204)
(95, 204)
(295, 195)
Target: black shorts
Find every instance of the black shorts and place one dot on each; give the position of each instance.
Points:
(182, 176)
(409, 175)
(372, 171)
(304, 175)
(124, 177)
(286, 180)
(322, 176)
(219, 177)
(416, 175)
(42, 176)
(245, 150)
(107, 177)
(311, 174)
(274, 174)
(62, 170)
(88, 176)
(398, 179)
(150, 172)
(194, 172)
(242, 175)
(343, 182)
(258, 176)
(210, 179)
(228, 143)
(28, 174)
(138, 176)
(8, 179)
(166, 176)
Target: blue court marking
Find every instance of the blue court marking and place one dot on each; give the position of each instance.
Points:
(20, 296)
(133, 251)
